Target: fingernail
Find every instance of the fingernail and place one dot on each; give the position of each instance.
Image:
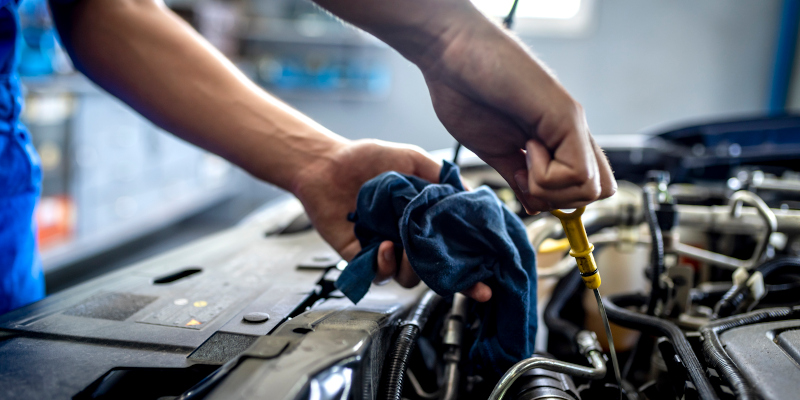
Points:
(387, 255)
(522, 182)
(528, 159)
(383, 282)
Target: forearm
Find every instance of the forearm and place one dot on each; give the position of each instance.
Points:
(419, 29)
(141, 52)
(440, 36)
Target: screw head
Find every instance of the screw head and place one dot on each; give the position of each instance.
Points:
(256, 317)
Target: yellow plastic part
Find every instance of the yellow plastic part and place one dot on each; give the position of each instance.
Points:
(553, 246)
(581, 248)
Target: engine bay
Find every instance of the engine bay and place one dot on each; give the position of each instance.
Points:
(699, 252)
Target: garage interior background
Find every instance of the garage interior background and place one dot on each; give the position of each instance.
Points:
(117, 189)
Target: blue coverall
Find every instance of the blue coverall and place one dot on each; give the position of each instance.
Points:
(21, 276)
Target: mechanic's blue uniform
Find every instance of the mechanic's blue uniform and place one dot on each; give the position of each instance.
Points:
(21, 276)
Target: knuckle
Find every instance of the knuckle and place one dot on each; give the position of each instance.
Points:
(537, 191)
(591, 193)
(608, 191)
(580, 175)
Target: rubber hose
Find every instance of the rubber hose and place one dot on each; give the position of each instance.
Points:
(656, 251)
(730, 303)
(564, 290)
(394, 371)
(398, 361)
(776, 265)
(715, 352)
(658, 327)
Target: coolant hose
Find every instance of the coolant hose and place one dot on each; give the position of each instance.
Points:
(397, 361)
(715, 352)
(659, 327)
(656, 252)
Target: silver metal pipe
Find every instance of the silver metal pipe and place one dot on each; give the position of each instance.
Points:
(451, 381)
(767, 225)
(749, 222)
(769, 219)
(541, 229)
(592, 353)
(710, 257)
(597, 371)
(418, 387)
(452, 338)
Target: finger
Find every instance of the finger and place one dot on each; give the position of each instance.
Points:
(584, 187)
(572, 197)
(387, 265)
(534, 205)
(406, 276)
(479, 292)
(507, 167)
(425, 167)
(608, 185)
(550, 173)
(351, 249)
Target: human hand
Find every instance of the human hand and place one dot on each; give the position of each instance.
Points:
(497, 100)
(328, 189)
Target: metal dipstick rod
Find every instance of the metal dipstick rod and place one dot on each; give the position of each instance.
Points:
(581, 249)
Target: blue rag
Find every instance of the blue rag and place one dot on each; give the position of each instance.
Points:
(454, 239)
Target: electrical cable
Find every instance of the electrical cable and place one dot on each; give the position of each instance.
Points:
(659, 327)
(740, 297)
(656, 252)
(508, 21)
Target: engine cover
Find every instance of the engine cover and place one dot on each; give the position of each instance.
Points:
(768, 356)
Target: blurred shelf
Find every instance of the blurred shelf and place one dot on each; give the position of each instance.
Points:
(90, 245)
(308, 32)
(74, 83)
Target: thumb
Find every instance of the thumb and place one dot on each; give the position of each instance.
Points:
(514, 169)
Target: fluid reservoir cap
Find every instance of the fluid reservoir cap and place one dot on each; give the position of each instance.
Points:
(256, 317)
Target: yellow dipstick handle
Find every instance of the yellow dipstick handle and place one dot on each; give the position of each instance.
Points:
(581, 248)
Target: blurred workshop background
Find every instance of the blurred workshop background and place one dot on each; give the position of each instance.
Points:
(118, 189)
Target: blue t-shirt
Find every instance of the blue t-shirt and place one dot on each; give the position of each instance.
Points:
(21, 276)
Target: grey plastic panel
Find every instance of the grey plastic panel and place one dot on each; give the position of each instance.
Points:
(767, 356)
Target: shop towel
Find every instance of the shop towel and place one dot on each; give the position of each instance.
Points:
(454, 239)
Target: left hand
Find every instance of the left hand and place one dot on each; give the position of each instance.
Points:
(328, 189)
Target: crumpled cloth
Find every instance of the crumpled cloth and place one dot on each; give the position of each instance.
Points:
(454, 239)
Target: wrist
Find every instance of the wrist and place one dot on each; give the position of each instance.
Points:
(277, 147)
(316, 160)
(420, 30)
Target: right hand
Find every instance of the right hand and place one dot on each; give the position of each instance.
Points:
(497, 100)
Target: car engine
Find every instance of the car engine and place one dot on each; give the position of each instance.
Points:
(699, 251)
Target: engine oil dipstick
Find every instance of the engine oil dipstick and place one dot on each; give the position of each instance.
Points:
(581, 249)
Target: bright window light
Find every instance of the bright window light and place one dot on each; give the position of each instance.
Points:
(544, 9)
